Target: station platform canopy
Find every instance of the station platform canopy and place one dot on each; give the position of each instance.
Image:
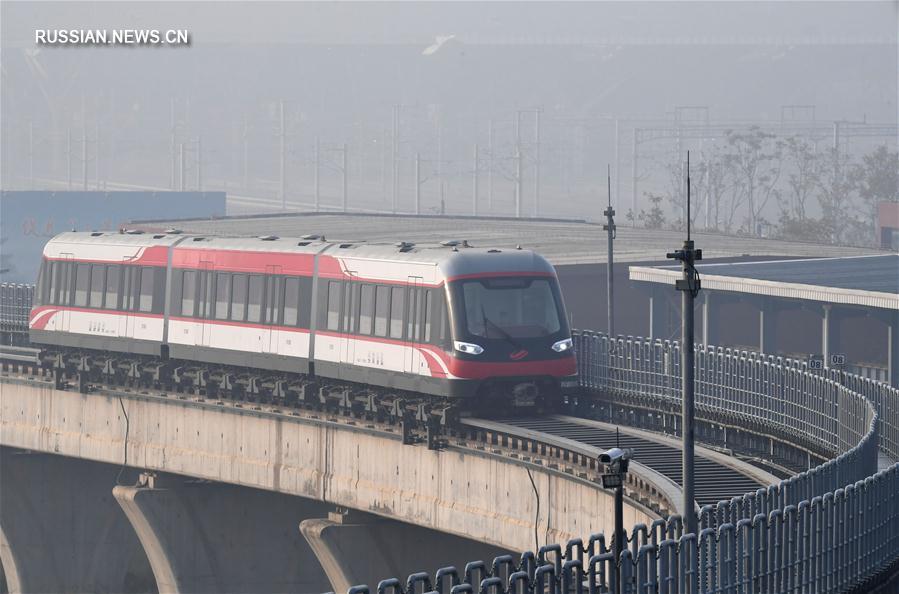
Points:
(562, 242)
(863, 280)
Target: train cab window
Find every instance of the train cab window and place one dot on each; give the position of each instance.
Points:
(291, 300)
(147, 278)
(55, 270)
(98, 284)
(82, 284)
(113, 276)
(382, 310)
(222, 292)
(397, 301)
(366, 308)
(188, 293)
(238, 297)
(333, 320)
(254, 302)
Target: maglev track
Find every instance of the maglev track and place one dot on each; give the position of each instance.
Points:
(714, 481)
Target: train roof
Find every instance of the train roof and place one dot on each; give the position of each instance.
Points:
(452, 258)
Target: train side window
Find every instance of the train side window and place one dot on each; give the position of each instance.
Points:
(382, 310)
(275, 289)
(147, 282)
(413, 317)
(254, 302)
(426, 314)
(205, 295)
(113, 278)
(333, 319)
(130, 285)
(238, 297)
(82, 284)
(397, 301)
(305, 307)
(350, 307)
(291, 300)
(188, 293)
(98, 284)
(367, 304)
(222, 292)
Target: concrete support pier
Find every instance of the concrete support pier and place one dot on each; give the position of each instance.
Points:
(61, 530)
(208, 537)
(357, 548)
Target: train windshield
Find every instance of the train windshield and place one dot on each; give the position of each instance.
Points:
(510, 307)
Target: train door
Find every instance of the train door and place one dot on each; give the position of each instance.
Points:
(66, 280)
(349, 310)
(414, 300)
(273, 295)
(205, 301)
(130, 277)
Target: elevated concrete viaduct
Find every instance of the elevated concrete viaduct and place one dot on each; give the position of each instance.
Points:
(330, 462)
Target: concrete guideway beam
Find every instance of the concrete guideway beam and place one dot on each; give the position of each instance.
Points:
(357, 548)
(208, 537)
(464, 491)
(62, 530)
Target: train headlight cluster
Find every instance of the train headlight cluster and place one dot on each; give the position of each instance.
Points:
(563, 345)
(468, 347)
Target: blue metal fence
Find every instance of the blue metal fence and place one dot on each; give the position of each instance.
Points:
(823, 530)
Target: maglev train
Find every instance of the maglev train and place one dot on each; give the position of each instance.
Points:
(443, 319)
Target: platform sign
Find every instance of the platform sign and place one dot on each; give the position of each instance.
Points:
(815, 362)
(837, 360)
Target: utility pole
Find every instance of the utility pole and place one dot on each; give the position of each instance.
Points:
(246, 154)
(199, 165)
(345, 174)
(634, 185)
(283, 188)
(69, 158)
(97, 151)
(173, 130)
(315, 183)
(474, 184)
(617, 162)
(518, 179)
(610, 232)
(181, 180)
(31, 155)
(689, 286)
(396, 158)
(83, 144)
(417, 183)
(537, 162)
(490, 150)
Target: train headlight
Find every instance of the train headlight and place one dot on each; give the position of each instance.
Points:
(563, 345)
(468, 348)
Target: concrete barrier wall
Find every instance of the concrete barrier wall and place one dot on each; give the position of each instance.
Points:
(470, 493)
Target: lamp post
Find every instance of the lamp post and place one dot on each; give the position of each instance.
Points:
(688, 285)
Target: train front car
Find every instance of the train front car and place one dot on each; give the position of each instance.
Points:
(511, 340)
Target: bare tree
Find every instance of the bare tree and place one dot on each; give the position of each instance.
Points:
(805, 166)
(755, 158)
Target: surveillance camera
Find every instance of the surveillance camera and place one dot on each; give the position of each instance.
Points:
(617, 458)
